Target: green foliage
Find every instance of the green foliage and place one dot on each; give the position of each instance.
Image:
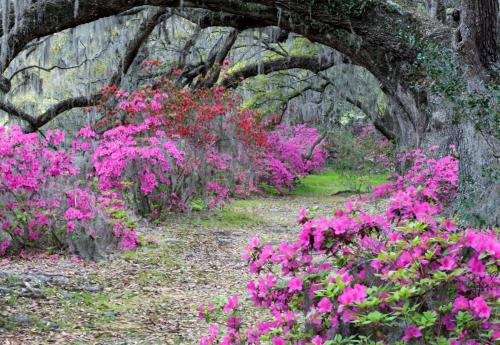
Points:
(364, 155)
(232, 215)
(198, 204)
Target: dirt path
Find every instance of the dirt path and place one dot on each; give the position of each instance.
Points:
(149, 295)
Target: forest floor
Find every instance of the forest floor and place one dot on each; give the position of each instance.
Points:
(149, 295)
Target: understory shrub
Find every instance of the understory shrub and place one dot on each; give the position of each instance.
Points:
(359, 152)
(407, 276)
(361, 149)
(292, 152)
(43, 203)
(171, 146)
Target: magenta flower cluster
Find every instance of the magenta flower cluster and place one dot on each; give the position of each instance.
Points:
(409, 275)
(288, 158)
(178, 146)
(41, 199)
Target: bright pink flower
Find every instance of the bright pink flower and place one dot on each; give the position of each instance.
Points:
(302, 217)
(411, 333)
(479, 308)
(376, 264)
(449, 225)
(476, 266)
(232, 303)
(278, 341)
(295, 284)
(353, 294)
(70, 226)
(317, 340)
(447, 263)
(461, 303)
(3, 247)
(324, 306)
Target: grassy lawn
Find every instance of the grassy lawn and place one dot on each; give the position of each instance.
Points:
(246, 213)
(330, 182)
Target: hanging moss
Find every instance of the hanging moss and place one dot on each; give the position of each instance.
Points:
(348, 8)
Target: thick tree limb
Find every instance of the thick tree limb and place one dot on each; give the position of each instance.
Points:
(206, 19)
(12, 110)
(311, 63)
(63, 106)
(377, 122)
(132, 48)
(377, 48)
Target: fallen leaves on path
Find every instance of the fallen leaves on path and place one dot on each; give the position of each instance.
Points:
(148, 295)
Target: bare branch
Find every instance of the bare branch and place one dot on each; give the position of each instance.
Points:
(44, 68)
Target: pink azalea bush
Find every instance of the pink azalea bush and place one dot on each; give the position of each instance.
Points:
(287, 157)
(181, 145)
(407, 276)
(41, 201)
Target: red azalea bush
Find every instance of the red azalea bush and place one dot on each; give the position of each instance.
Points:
(217, 145)
(409, 276)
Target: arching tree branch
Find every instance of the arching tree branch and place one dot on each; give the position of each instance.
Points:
(320, 21)
(311, 63)
(131, 50)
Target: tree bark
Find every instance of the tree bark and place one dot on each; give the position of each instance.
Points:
(477, 35)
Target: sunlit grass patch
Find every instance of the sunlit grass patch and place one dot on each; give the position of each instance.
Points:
(332, 182)
(230, 216)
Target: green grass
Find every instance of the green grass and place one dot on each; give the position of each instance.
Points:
(331, 182)
(230, 216)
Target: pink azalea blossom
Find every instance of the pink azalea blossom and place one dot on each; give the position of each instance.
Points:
(232, 303)
(324, 306)
(412, 332)
(278, 341)
(461, 303)
(353, 294)
(295, 284)
(479, 308)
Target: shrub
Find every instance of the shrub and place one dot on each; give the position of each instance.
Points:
(288, 155)
(155, 151)
(220, 151)
(361, 149)
(41, 201)
(356, 278)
